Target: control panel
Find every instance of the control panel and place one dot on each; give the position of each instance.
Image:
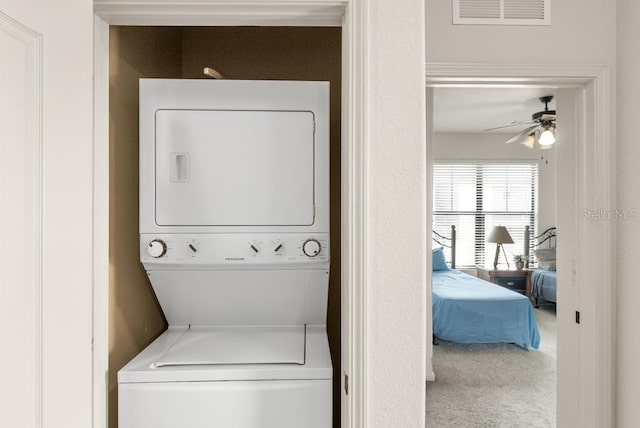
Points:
(224, 250)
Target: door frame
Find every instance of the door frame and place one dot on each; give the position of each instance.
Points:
(586, 392)
(351, 15)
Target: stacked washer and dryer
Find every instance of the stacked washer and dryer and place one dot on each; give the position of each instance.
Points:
(234, 236)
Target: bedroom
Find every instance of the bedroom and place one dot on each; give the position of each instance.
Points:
(479, 183)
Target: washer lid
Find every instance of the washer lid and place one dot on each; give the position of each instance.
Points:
(140, 370)
(237, 345)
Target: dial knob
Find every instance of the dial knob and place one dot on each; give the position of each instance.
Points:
(157, 248)
(311, 247)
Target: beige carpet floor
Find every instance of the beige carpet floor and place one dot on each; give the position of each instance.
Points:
(497, 385)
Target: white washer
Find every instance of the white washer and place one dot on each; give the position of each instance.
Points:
(234, 236)
(251, 394)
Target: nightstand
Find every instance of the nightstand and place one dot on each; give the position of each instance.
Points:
(516, 280)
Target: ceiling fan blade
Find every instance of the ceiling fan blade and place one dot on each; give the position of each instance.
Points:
(514, 123)
(522, 134)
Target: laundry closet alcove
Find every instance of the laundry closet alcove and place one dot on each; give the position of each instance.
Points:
(247, 53)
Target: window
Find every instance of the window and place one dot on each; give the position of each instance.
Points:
(477, 197)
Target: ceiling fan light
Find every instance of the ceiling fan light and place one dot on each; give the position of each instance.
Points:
(546, 139)
(531, 140)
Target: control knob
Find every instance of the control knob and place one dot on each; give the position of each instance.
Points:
(157, 248)
(311, 247)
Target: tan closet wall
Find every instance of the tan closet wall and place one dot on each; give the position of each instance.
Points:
(135, 318)
(279, 53)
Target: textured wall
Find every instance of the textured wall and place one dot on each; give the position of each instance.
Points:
(581, 31)
(396, 232)
(628, 197)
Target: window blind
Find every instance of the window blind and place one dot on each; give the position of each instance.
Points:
(477, 197)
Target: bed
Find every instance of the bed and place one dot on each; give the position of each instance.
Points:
(467, 309)
(544, 285)
(544, 278)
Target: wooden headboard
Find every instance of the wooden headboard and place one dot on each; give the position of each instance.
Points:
(548, 236)
(448, 242)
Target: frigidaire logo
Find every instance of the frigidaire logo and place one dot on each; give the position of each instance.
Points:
(234, 259)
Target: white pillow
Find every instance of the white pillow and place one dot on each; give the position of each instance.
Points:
(546, 255)
(548, 265)
(546, 258)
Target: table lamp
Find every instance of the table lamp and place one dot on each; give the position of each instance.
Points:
(499, 235)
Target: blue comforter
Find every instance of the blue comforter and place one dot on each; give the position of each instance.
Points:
(467, 309)
(544, 284)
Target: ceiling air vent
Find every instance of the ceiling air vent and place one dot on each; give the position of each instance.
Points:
(502, 12)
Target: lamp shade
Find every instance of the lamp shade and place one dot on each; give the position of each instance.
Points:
(500, 235)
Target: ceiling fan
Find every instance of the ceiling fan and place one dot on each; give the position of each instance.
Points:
(543, 129)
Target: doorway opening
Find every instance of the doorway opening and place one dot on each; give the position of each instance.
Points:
(490, 175)
(584, 163)
(351, 17)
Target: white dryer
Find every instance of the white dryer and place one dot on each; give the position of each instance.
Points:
(234, 236)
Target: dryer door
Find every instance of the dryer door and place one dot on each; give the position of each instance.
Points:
(234, 168)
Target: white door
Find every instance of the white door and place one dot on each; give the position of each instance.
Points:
(45, 212)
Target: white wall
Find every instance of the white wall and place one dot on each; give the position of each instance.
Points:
(52, 175)
(466, 146)
(628, 230)
(581, 31)
(396, 207)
